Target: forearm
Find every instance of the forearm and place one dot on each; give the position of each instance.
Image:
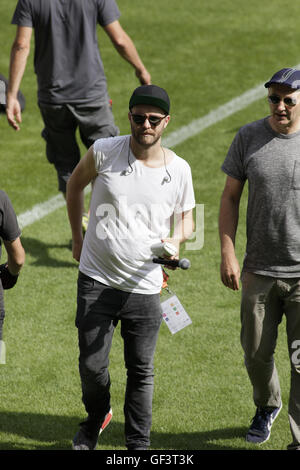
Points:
(15, 256)
(183, 227)
(182, 230)
(75, 207)
(228, 223)
(18, 60)
(127, 50)
(83, 174)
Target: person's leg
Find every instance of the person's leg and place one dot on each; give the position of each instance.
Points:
(59, 133)
(94, 346)
(292, 311)
(95, 121)
(97, 310)
(261, 313)
(139, 328)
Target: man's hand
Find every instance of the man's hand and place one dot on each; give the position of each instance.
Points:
(143, 76)
(76, 249)
(230, 272)
(176, 243)
(13, 112)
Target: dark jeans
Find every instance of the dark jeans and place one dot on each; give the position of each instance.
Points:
(99, 308)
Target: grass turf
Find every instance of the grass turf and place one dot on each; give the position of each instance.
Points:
(204, 53)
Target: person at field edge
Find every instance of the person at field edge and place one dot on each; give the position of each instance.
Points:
(72, 87)
(10, 235)
(266, 154)
(138, 187)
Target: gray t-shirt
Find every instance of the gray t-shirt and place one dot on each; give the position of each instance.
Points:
(9, 228)
(67, 59)
(271, 164)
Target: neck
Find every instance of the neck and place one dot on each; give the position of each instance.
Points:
(152, 153)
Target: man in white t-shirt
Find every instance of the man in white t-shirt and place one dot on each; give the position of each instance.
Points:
(140, 191)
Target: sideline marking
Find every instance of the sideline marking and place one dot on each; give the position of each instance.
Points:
(177, 137)
(222, 112)
(40, 210)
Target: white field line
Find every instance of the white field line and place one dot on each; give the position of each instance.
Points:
(222, 112)
(195, 127)
(40, 210)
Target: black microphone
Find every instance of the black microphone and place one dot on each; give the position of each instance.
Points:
(174, 263)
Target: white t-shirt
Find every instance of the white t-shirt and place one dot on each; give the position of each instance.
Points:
(130, 210)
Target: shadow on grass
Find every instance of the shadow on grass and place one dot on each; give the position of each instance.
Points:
(47, 432)
(39, 251)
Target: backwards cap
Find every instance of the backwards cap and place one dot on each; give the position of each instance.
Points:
(152, 95)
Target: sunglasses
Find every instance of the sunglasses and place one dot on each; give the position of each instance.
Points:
(141, 118)
(274, 99)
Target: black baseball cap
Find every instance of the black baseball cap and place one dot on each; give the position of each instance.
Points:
(288, 77)
(150, 94)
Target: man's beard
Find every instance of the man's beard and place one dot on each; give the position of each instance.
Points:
(142, 141)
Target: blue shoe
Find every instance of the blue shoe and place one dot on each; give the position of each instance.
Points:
(260, 429)
(87, 436)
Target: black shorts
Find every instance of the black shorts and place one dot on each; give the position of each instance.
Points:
(94, 120)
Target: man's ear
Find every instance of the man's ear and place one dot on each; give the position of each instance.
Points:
(167, 121)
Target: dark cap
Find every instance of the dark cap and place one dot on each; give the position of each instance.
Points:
(288, 77)
(150, 94)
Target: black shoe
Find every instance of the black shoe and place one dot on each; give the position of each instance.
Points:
(87, 436)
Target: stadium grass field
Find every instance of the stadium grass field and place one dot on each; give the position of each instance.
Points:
(204, 53)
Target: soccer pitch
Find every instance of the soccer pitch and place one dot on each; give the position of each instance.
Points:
(206, 54)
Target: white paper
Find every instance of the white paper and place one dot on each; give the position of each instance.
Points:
(174, 315)
(2, 352)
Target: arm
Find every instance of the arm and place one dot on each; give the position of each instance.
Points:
(15, 256)
(228, 222)
(183, 229)
(83, 174)
(18, 59)
(127, 50)
(9, 271)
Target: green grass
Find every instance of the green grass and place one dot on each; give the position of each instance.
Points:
(205, 53)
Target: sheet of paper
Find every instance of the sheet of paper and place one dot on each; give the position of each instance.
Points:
(174, 315)
(2, 352)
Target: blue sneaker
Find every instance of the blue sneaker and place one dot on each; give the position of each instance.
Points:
(260, 429)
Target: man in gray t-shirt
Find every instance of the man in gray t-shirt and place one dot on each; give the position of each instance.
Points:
(265, 153)
(10, 269)
(72, 88)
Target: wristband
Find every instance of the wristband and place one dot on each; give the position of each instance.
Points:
(8, 280)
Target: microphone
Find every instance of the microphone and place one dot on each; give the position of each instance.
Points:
(174, 263)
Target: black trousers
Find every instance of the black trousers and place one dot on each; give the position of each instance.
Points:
(99, 308)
